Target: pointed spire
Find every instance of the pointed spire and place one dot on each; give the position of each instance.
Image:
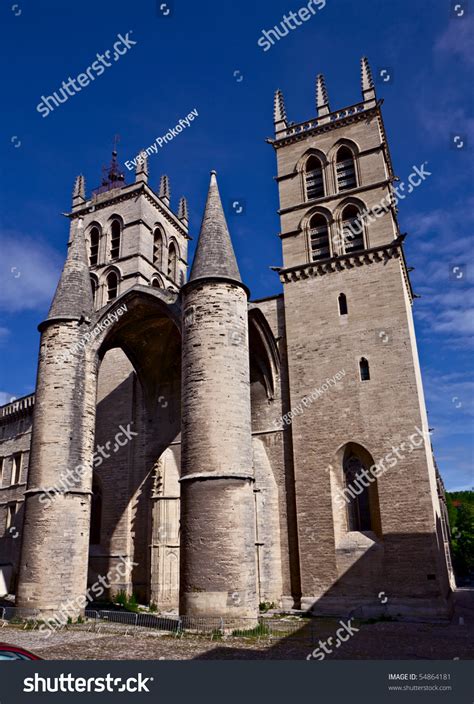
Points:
(214, 255)
(322, 100)
(73, 297)
(279, 112)
(183, 210)
(141, 171)
(79, 192)
(164, 193)
(368, 88)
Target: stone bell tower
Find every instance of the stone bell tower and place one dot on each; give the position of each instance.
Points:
(218, 573)
(348, 298)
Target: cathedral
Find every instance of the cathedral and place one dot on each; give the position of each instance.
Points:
(211, 453)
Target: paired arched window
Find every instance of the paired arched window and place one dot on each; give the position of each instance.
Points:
(96, 513)
(358, 507)
(172, 261)
(94, 246)
(319, 237)
(112, 286)
(158, 248)
(314, 182)
(352, 229)
(364, 369)
(115, 230)
(342, 300)
(345, 169)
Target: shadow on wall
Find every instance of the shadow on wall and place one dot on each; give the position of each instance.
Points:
(399, 589)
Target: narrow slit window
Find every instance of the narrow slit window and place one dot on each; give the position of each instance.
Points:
(112, 286)
(342, 304)
(16, 468)
(115, 240)
(157, 248)
(94, 247)
(172, 262)
(364, 369)
(94, 289)
(358, 509)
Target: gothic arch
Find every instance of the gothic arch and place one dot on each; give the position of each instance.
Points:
(348, 490)
(88, 237)
(306, 228)
(343, 142)
(103, 283)
(354, 150)
(157, 281)
(159, 226)
(264, 354)
(302, 169)
(135, 346)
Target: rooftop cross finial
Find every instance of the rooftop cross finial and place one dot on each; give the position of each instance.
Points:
(164, 193)
(368, 88)
(279, 112)
(322, 99)
(113, 177)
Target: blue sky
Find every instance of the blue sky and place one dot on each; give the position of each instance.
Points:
(205, 56)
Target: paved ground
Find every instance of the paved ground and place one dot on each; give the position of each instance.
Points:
(383, 640)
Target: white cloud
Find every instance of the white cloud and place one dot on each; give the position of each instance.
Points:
(458, 40)
(29, 269)
(6, 397)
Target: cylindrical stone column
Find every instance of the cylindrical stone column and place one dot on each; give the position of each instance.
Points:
(55, 538)
(218, 573)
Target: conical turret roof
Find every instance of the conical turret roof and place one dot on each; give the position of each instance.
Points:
(214, 255)
(73, 297)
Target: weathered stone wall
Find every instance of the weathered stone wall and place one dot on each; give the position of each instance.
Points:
(53, 568)
(217, 516)
(15, 438)
(377, 414)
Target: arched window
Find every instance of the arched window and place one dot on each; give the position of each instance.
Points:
(345, 169)
(172, 261)
(157, 248)
(96, 513)
(115, 239)
(319, 237)
(314, 178)
(112, 286)
(94, 246)
(352, 229)
(94, 287)
(156, 283)
(342, 304)
(358, 508)
(364, 369)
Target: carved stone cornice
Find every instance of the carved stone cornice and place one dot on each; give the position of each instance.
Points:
(381, 253)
